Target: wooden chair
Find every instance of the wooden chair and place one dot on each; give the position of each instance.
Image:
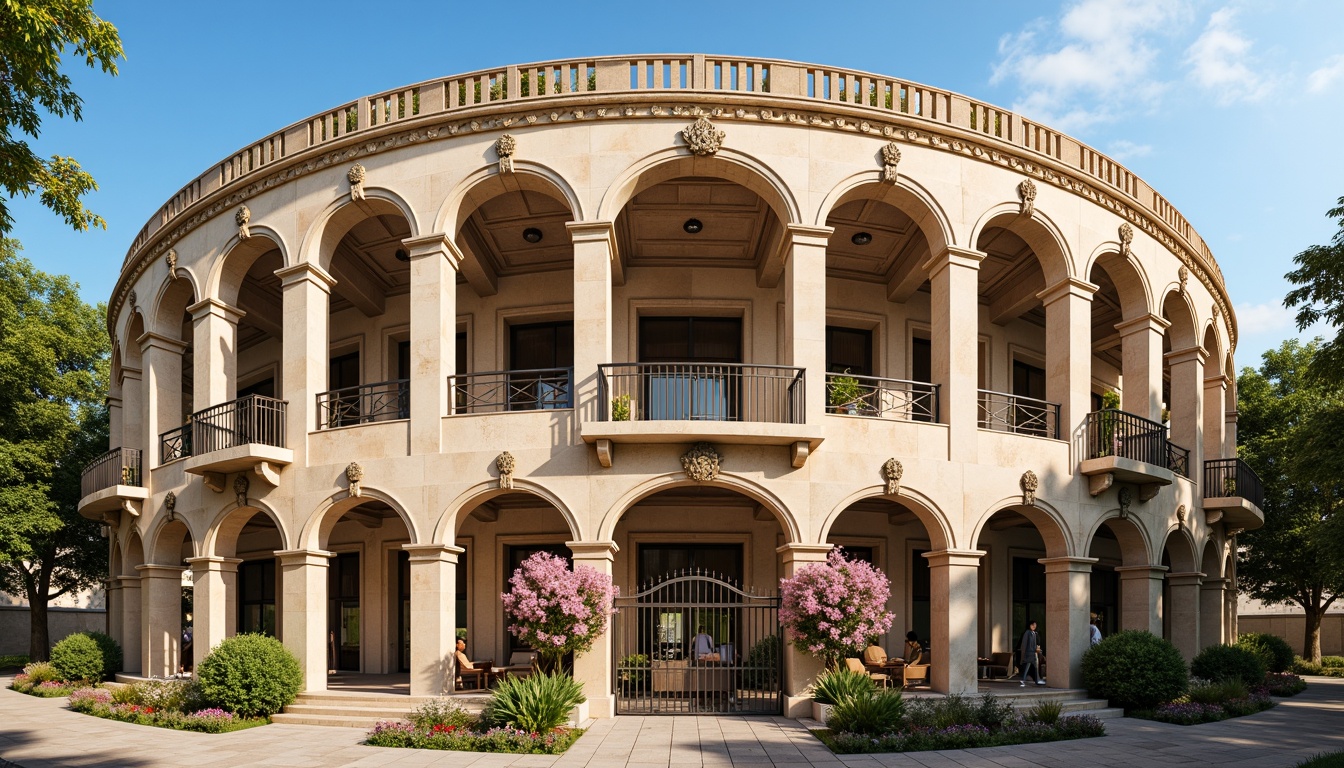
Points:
(521, 664)
(875, 659)
(1000, 665)
(475, 672)
(855, 665)
(913, 672)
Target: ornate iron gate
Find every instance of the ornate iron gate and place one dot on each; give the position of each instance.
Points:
(661, 664)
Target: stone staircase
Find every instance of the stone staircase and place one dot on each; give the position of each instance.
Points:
(1071, 701)
(362, 710)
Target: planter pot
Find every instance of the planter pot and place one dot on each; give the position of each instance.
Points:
(821, 712)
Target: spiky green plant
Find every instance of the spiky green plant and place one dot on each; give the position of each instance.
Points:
(842, 685)
(538, 703)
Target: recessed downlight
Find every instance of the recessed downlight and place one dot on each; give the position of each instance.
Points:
(532, 235)
(402, 255)
(861, 238)
(692, 226)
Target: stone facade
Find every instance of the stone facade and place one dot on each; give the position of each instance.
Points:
(737, 236)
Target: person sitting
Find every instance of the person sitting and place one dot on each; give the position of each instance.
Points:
(913, 648)
(478, 672)
(704, 645)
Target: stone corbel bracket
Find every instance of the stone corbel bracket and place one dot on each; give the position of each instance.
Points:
(798, 453)
(1212, 516)
(1099, 484)
(606, 452)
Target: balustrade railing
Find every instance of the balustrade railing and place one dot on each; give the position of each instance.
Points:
(538, 389)
(1006, 412)
(175, 444)
(770, 394)
(1178, 459)
(1233, 477)
(251, 419)
(1117, 433)
(881, 398)
(365, 403)
(119, 466)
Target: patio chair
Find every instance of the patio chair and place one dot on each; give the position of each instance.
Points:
(475, 672)
(521, 664)
(1000, 665)
(919, 671)
(855, 665)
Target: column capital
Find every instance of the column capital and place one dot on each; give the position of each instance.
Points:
(1068, 564)
(593, 550)
(1142, 571)
(954, 256)
(432, 553)
(129, 582)
(130, 373)
(1215, 584)
(214, 563)
(1143, 323)
(1216, 382)
(801, 234)
(150, 340)
(1188, 579)
(804, 553)
(1068, 287)
(305, 273)
(313, 557)
(208, 307)
(1187, 355)
(435, 244)
(157, 571)
(946, 558)
(592, 231)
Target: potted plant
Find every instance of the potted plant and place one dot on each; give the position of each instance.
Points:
(845, 393)
(1110, 402)
(620, 408)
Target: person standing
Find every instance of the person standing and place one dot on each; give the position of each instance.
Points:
(1093, 631)
(1030, 650)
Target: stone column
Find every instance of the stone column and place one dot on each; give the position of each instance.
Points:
(1230, 434)
(1187, 407)
(303, 603)
(434, 264)
(306, 295)
(1068, 351)
(805, 313)
(133, 657)
(114, 423)
(433, 617)
(1215, 394)
(1212, 612)
(800, 668)
(1068, 599)
(593, 668)
(1141, 362)
(114, 611)
(133, 410)
(954, 587)
(161, 619)
(215, 353)
(594, 250)
(162, 358)
(1141, 597)
(955, 329)
(1184, 608)
(214, 602)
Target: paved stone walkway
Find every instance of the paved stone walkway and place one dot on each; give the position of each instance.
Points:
(42, 733)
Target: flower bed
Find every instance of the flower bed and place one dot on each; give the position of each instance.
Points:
(463, 738)
(47, 689)
(99, 703)
(964, 736)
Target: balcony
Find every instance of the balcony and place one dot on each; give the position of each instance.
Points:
(539, 389)
(1128, 448)
(878, 398)
(1233, 494)
(112, 482)
(240, 435)
(687, 402)
(1020, 415)
(364, 404)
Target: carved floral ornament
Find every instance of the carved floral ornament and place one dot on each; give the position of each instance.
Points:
(891, 157)
(240, 486)
(1029, 483)
(132, 299)
(354, 474)
(241, 217)
(702, 137)
(505, 147)
(1183, 275)
(170, 505)
(892, 472)
(356, 176)
(1125, 497)
(1180, 515)
(171, 261)
(701, 463)
(1126, 239)
(505, 464)
(1027, 191)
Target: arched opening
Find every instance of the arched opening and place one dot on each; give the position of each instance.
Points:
(168, 602)
(171, 362)
(1215, 387)
(129, 577)
(1212, 595)
(1182, 385)
(133, 389)
(1181, 593)
(239, 340)
(1116, 602)
(1119, 335)
(250, 537)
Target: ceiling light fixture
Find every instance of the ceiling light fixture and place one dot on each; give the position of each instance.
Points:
(692, 226)
(861, 238)
(532, 235)
(402, 255)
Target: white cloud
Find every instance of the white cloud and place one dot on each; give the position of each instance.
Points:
(1323, 78)
(1220, 61)
(1266, 318)
(1123, 150)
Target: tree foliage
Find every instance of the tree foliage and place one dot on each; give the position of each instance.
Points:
(1320, 273)
(1286, 416)
(53, 421)
(34, 35)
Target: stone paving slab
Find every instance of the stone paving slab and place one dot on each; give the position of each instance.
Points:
(42, 733)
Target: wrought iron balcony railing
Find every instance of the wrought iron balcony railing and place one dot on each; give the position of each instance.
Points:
(251, 419)
(1233, 477)
(701, 392)
(363, 404)
(119, 466)
(1178, 459)
(175, 444)
(1116, 433)
(537, 389)
(881, 398)
(1022, 415)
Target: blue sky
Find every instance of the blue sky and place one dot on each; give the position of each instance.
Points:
(1232, 110)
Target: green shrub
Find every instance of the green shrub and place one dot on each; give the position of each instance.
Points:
(762, 670)
(538, 703)
(1324, 760)
(1224, 662)
(78, 657)
(1332, 661)
(634, 671)
(993, 712)
(41, 672)
(955, 709)
(112, 656)
(1216, 692)
(871, 715)
(441, 712)
(13, 661)
(842, 685)
(165, 695)
(1047, 712)
(1272, 649)
(1134, 669)
(250, 676)
(1303, 667)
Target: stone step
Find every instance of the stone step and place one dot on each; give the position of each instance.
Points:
(339, 721)
(378, 713)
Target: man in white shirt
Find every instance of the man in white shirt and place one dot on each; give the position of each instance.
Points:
(704, 644)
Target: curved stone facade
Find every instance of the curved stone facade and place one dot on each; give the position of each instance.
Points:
(687, 307)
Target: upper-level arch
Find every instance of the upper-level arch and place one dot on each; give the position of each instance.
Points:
(1178, 310)
(728, 164)
(1126, 275)
(265, 248)
(935, 522)
(905, 194)
(487, 182)
(175, 294)
(446, 527)
(1052, 526)
(762, 495)
(1036, 232)
(320, 240)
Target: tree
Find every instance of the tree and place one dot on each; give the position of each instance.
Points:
(1320, 272)
(33, 36)
(836, 608)
(53, 376)
(1286, 417)
(556, 610)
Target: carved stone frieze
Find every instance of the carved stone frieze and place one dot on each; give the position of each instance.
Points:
(1125, 498)
(505, 146)
(1126, 239)
(1029, 483)
(892, 472)
(241, 217)
(702, 137)
(891, 157)
(505, 464)
(240, 486)
(356, 176)
(701, 463)
(170, 505)
(354, 474)
(171, 261)
(1183, 275)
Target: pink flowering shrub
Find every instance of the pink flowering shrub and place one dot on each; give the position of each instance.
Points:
(835, 609)
(557, 610)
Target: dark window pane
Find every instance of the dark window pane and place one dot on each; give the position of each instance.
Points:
(1028, 380)
(541, 345)
(921, 360)
(849, 349)
(344, 371)
(690, 340)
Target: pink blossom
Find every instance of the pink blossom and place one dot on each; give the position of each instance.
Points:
(836, 608)
(555, 609)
